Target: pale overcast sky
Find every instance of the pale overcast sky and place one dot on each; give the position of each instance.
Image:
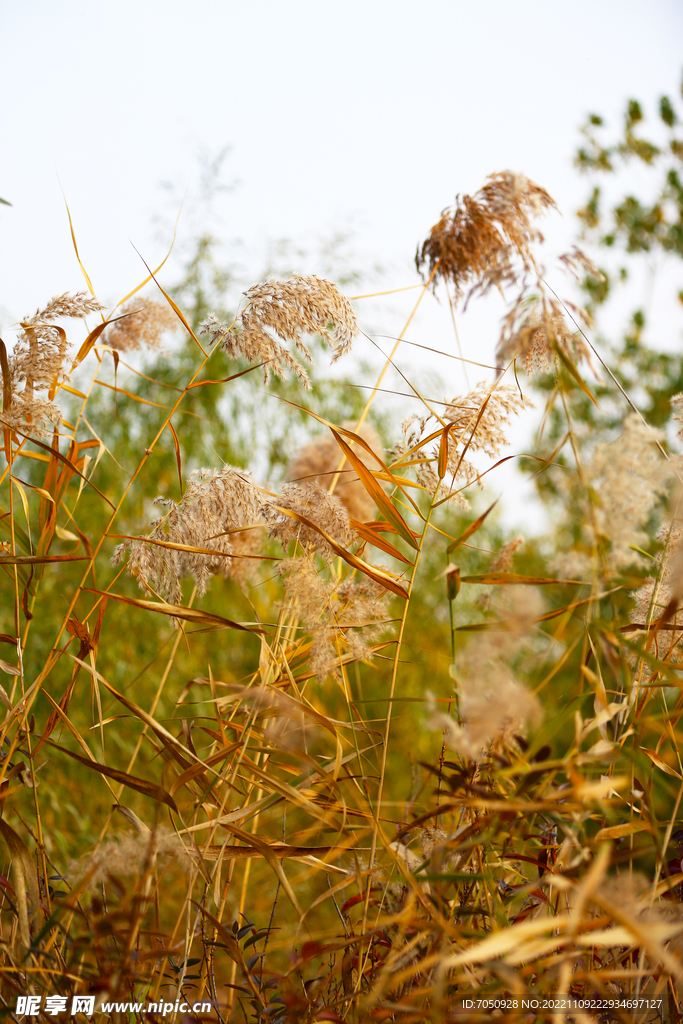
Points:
(369, 115)
(342, 115)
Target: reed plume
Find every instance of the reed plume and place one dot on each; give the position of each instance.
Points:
(141, 324)
(627, 477)
(318, 511)
(482, 233)
(479, 420)
(129, 854)
(37, 362)
(343, 617)
(280, 313)
(215, 503)
(540, 334)
(494, 705)
(661, 593)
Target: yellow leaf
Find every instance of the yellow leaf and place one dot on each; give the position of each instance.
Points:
(656, 759)
(617, 831)
(65, 534)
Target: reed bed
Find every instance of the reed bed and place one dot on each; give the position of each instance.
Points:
(324, 750)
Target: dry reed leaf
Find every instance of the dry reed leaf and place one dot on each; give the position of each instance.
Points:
(25, 881)
(318, 463)
(178, 611)
(131, 816)
(149, 789)
(627, 829)
(383, 502)
(660, 763)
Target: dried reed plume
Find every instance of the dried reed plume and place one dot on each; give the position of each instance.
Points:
(479, 420)
(501, 563)
(343, 618)
(37, 363)
(128, 854)
(662, 592)
(141, 325)
(479, 235)
(287, 723)
(280, 312)
(626, 477)
(494, 706)
(322, 510)
(541, 332)
(318, 463)
(215, 503)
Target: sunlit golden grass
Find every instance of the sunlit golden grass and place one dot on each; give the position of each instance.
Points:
(317, 751)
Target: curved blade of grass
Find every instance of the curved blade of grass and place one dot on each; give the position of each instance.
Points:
(129, 394)
(176, 611)
(374, 538)
(150, 789)
(89, 342)
(174, 307)
(38, 559)
(73, 239)
(383, 502)
(223, 380)
(67, 462)
(472, 528)
(372, 571)
(574, 373)
(505, 578)
(25, 881)
(177, 455)
(443, 451)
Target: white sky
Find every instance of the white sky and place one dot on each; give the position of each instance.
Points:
(366, 116)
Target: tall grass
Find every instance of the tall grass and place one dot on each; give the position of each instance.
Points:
(264, 805)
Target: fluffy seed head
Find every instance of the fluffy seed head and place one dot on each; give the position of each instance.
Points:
(215, 502)
(319, 507)
(629, 475)
(660, 590)
(142, 323)
(535, 339)
(279, 313)
(494, 705)
(37, 364)
(343, 619)
(130, 854)
(478, 236)
(479, 419)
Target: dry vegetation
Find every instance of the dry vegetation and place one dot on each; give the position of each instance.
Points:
(316, 839)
